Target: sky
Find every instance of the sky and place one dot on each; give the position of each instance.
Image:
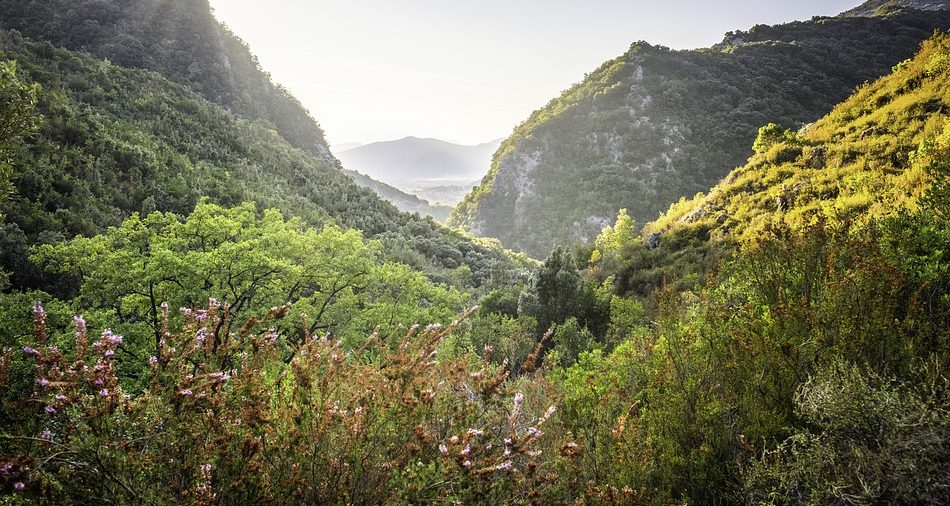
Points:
(466, 71)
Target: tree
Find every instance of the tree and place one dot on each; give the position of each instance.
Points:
(247, 264)
(17, 119)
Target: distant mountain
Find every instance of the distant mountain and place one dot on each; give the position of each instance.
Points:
(414, 159)
(344, 146)
(871, 7)
(654, 125)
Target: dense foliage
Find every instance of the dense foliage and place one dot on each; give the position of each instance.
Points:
(866, 158)
(17, 102)
(654, 125)
(179, 39)
(116, 141)
(223, 326)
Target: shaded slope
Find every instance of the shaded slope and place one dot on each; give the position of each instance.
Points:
(117, 141)
(180, 39)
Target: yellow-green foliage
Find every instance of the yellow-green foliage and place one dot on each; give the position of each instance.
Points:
(859, 161)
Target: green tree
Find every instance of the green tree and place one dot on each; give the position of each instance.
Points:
(554, 296)
(247, 264)
(17, 119)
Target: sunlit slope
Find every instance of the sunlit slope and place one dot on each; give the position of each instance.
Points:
(654, 125)
(866, 158)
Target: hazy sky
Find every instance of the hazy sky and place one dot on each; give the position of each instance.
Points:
(466, 71)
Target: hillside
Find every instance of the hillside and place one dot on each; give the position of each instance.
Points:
(179, 39)
(867, 158)
(403, 201)
(871, 7)
(655, 124)
(115, 141)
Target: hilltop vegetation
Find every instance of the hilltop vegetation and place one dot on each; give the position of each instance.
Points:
(179, 39)
(654, 124)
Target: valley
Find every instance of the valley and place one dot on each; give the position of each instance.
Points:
(697, 276)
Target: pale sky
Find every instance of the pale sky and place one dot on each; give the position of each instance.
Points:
(466, 71)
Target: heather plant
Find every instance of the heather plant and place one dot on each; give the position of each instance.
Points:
(246, 415)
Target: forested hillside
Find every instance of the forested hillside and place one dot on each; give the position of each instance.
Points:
(179, 39)
(115, 141)
(655, 124)
(865, 159)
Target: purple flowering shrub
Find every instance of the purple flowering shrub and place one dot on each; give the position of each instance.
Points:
(244, 415)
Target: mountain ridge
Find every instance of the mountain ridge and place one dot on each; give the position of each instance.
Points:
(870, 8)
(654, 124)
(417, 158)
(866, 158)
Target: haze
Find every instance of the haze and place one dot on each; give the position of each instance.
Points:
(467, 72)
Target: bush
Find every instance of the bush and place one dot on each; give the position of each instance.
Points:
(240, 416)
(872, 441)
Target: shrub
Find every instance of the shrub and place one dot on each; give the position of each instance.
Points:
(241, 416)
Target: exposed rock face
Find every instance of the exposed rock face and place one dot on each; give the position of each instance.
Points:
(656, 125)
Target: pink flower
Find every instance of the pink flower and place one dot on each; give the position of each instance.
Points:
(49, 410)
(186, 392)
(467, 450)
(61, 398)
(30, 351)
(47, 434)
(504, 466)
(467, 463)
(104, 392)
(38, 310)
(19, 486)
(153, 360)
(80, 323)
(444, 450)
(111, 338)
(43, 382)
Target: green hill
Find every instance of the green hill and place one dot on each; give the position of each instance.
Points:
(115, 141)
(179, 39)
(656, 124)
(866, 158)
